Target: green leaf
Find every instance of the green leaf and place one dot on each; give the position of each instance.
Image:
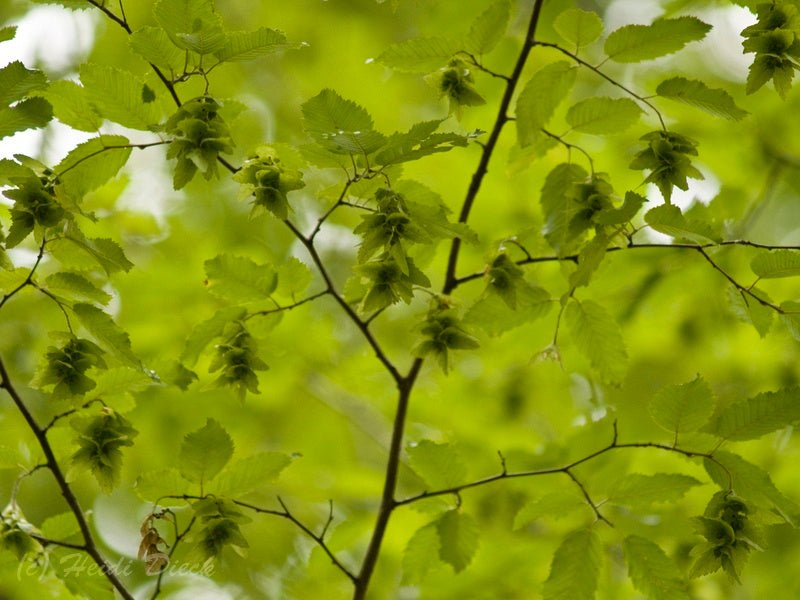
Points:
(598, 337)
(246, 45)
(575, 568)
(540, 97)
(696, 93)
(683, 408)
(293, 277)
(458, 537)
(749, 310)
(117, 386)
(109, 254)
(106, 332)
(91, 164)
(71, 106)
(652, 572)
(11, 280)
(17, 82)
(643, 490)
(578, 27)
(495, 317)
(207, 330)
(239, 279)
(205, 452)
(791, 317)
(558, 209)
(422, 552)
(440, 465)
(617, 216)
(762, 414)
(776, 263)
(749, 481)
(8, 33)
(116, 95)
(10, 458)
(667, 218)
(635, 43)
(340, 125)
(191, 24)
(60, 527)
(589, 259)
(251, 473)
(420, 55)
(488, 29)
(601, 116)
(75, 287)
(155, 46)
(417, 142)
(555, 505)
(31, 113)
(152, 485)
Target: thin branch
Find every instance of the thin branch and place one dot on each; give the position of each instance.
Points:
(261, 313)
(48, 542)
(473, 60)
(72, 501)
(588, 498)
(29, 278)
(329, 212)
(608, 78)
(569, 147)
(736, 284)
(179, 536)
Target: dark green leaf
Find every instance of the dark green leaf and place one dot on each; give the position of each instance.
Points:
(106, 332)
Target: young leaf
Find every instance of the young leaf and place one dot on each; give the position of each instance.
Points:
(683, 408)
(419, 141)
(91, 164)
(776, 263)
(106, 332)
(207, 330)
(643, 490)
(205, 452)
(578, 27)
(116, 387)
(420, 55)
(293, 277)
(749, 481)
(635, 43)
(495, 317)
(554, 505)
(17, 82)
(440, 465)
(155, 46)
(191, 24)
(488, 29)
(749, 310)
(668, 219)
(791, 317)
(575, 568)
(340, 125)
(600, 116)
(246, 45)
(107, 253)
(251, 473)
(617, 216)
(458, 537)
(422, 552)
(558, 208)
(589, 259)
(598, 337)
(118, 96)
(762, 414)
(70, 103)
(696, 93)
(31, 113)
(152, 485)
(540, 97)
(652, 572)
(239, 279)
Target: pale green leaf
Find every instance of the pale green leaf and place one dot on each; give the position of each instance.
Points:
(116, 387)
(107, 333)
(667, 218)
(440, 465)
(575, 568)
(791, 317)
(555, 505)
(488, 29)
(652, 571)
(643, 490)
(10, 280)
(153, 485)
(250, 474)
(683, 408)
(495, 317)
(118, 96)
(17, 82)
(239, 279)
(60, 527)
(340, 125)
(696, 93)
(635, 43)
(421, 553)
(776, 263)
(598, 337)
(749, 310)
(458, 538)
(91, 164)
(540, 97)
(762, 414)
(589, 259)
(246, 45)
(71, 105)
(109, 254)
(155, 46)
(207, 330)
(578, 27)
(420, 55)
(749, 481)
(31, 113)
(293, 277)
(75, 287)
(601, 116)
(205, 452)
(10, 458)
(191, 24)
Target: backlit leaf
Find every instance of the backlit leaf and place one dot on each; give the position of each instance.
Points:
(578, 27)
(488, 29)
(458, 537)
(540, 97)
(696, 93)
(205, 452)
(635, 43)
(601, 116)
(652, 572)
(683, 408)
(575, 568)
(598, 337)
(762, 414)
